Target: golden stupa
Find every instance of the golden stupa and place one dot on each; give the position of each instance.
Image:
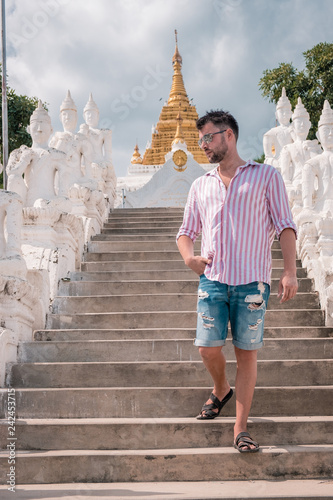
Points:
(166, 129)
(136, 158)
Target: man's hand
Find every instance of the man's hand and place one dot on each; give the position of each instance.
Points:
(197, 263)
(288, 282)
(287, 287)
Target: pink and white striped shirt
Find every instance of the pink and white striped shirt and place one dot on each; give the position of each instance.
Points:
(238, 224)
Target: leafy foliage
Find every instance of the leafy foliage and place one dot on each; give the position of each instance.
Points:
(313, 85)
(260, 159)
(20, 108)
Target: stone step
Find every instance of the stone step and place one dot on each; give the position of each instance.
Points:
(166, 275)
(141, 219)
(84, 288)
(132, 238)
(132, 256)
(160, 302)
(142, 223)
(292, 489)
(293, 332)
(153, 275)
(142, 230)
(130, 266)
(165, 319)
(165, 402)
(134, 212)
(144, 255)
(162, 350)
(105, 246)
(126, 434)
(166, 238)
(150, 265)
(318, 372)
(307, 461)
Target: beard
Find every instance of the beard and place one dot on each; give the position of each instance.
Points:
(218, 156)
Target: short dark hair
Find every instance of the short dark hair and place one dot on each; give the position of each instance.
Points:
(219, 118)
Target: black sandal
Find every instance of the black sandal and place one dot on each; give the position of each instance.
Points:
(208, 411)
(243, 443)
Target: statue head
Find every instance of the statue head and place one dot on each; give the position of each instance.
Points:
(68, 113)
(325, 128)
(301, 121)
(283, 109)
(91, 113)
(40, 127)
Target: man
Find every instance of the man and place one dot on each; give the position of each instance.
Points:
(238, 207)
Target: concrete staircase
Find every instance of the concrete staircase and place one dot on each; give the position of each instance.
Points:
(109, 392)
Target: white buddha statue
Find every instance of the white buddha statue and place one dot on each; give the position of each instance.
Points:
(101, 141)
(11, 260)
(294, 156)
(317, 176)
(76, 146)
(36, 173)
(10, 224)
(277, 137)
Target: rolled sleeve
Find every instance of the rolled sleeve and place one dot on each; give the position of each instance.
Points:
(279, 205)
(285, 224)
(191, 225)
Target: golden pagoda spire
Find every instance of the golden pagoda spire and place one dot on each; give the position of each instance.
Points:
(177, 56)
(173, 125)
(178, 92)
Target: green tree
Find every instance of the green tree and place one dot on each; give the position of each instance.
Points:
(313, 84)
(20, 108)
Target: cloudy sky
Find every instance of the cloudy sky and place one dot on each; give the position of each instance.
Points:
(121, 51)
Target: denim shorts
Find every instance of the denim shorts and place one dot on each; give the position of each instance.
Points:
(244, 306)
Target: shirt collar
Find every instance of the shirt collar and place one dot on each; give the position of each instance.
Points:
(249, 163)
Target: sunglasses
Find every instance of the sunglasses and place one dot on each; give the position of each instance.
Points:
(207, 138)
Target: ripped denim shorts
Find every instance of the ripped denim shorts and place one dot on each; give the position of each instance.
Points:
(243, 305)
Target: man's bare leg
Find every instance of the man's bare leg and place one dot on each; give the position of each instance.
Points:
(246, 378)
(215, 362)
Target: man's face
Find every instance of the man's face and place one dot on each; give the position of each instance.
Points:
(40, 131)
(217, 148)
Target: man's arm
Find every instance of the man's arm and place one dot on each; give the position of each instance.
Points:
(195, 262)
(288, 282)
